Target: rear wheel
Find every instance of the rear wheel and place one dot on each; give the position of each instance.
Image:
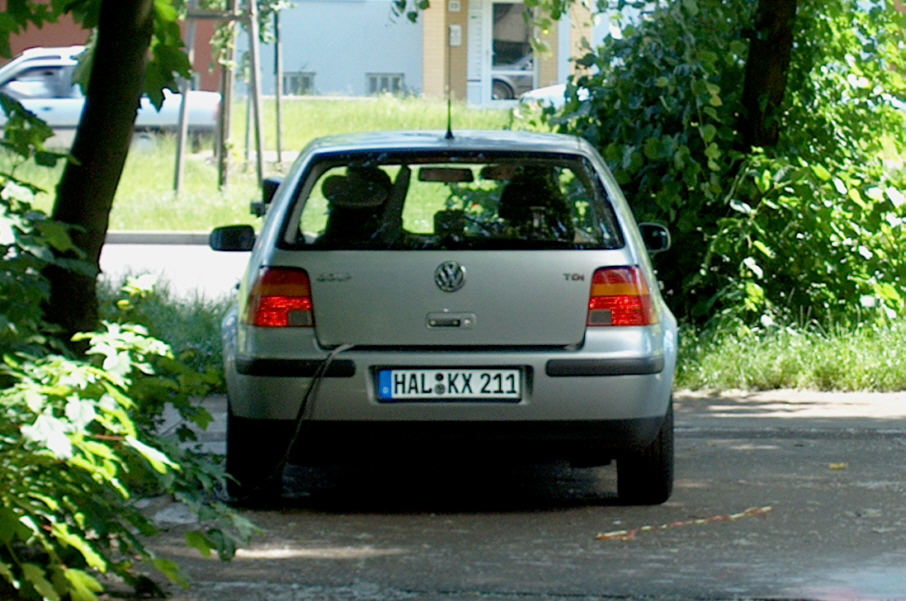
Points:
(645, 477)
(501, 91)
(255, 448)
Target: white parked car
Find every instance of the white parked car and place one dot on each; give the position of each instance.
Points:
(41, 79)
(554, 96)
(415, 296)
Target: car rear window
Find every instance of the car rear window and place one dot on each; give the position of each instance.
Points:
(451, 203)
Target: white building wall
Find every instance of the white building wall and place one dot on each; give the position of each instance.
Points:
(341, 41)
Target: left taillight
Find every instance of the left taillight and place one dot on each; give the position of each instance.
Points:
(280, 298)
(620, 296)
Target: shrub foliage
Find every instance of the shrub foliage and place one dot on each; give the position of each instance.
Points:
(810, 229)
(79, 435)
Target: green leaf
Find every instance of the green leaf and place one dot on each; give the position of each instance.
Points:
(712, 151)
(83, 585)
(821, 172)
(160, 462)
(653, 148)
(35, 575)
(6, 572)
(199, 541)
(10, 527)
(56, 235)
(171, 570)
(50, 432)
(741, 207)
(708, 132)
(856, 197)
(92, 558)
(753, 266)
(763, 249)
(763, 181)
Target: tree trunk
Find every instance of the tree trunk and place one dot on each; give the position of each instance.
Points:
(767, 68)
(89, 181)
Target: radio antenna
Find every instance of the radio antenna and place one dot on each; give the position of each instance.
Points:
(449, 135)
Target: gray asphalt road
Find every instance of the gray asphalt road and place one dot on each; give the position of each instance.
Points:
(778, 496)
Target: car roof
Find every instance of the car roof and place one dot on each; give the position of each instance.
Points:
(64, 54)
(462, 141)
(53, 52)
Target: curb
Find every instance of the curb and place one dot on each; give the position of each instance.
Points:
(196, 238)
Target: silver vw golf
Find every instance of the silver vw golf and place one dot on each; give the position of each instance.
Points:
(420, 295)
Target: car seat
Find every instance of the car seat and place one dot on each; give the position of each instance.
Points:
(532, 204)
(355, 205)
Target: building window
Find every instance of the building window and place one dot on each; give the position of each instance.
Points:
(297, 83)
(380, 83)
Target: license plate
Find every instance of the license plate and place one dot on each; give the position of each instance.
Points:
(450, 384)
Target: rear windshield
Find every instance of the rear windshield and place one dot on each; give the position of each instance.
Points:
(450, 203)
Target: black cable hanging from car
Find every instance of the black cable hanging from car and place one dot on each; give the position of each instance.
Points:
(307, 399)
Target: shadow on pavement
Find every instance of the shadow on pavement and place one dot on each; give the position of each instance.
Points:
(447, 488)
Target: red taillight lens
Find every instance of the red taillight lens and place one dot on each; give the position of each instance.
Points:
(620, 296)
(280, 298)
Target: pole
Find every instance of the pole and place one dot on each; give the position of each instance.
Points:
(227, 81)
(278, 85)
(254, 55)
(184, 107)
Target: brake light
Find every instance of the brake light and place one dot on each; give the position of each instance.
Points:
(280, 298)
(620, 296)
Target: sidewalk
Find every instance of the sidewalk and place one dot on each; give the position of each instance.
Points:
(801, 410)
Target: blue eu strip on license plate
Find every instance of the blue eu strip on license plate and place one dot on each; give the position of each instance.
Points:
(450, 384)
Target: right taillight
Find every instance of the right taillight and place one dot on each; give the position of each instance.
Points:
(620, 296)
(280, 298)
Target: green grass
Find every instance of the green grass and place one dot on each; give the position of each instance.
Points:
(145, 200)
(863, 357)
(304, 119)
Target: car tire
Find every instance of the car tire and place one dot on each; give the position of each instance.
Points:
(501, 91)
(254, 451)
(646, 477)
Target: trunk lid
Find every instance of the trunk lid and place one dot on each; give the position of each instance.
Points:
(506, 298)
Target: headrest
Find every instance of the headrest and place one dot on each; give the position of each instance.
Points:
(360, 188)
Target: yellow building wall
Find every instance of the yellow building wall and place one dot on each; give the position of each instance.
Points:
(437, 19)
(434, 45)
(435, 22)
(459, 54)
(580, 32)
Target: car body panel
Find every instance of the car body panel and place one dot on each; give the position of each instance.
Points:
(359, 301)
(609, 387)
(41, 80)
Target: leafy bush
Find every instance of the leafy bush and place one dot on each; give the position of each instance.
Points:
(191, 326)
(812, 228)
(79, 440)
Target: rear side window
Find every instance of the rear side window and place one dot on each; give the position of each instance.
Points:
(450, 203)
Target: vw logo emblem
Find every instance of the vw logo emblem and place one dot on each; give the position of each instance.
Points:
(450, 276)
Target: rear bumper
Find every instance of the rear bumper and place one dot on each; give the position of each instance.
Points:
(594, 392)
(613, 379)
(587, 442)
(554, 368)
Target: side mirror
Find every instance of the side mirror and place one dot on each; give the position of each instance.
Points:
(655, 236)
(268, 188)
(232, 238)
